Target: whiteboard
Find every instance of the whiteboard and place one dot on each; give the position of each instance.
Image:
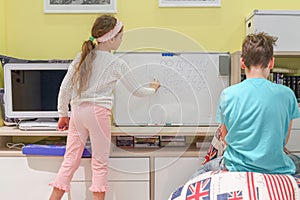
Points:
(191, 84)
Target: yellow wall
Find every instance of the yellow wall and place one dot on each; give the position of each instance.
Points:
(2, 39)
(29, 33)
(2, 26)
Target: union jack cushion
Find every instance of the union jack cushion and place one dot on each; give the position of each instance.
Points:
(243, 185)
(216, 148)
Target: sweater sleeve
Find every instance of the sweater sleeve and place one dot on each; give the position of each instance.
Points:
(66, 90)
(131, 83)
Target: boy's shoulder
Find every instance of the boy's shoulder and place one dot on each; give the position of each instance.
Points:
(280, 88)
(235, 86)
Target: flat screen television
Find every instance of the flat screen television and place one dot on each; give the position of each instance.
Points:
(31, 89)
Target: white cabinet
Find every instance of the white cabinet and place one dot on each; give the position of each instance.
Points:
(129, 179)
(131, 176)
(283, 24)
(27, 178)
(134, 169)
(172, 172)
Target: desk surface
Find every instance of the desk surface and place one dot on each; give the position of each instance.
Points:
(7, 132)
(116, 131)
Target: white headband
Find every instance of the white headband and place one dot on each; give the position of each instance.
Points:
(112, 33)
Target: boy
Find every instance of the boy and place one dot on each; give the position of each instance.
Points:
(256, 116)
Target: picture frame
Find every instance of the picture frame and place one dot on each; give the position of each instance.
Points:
(80, 6)
(189, 3)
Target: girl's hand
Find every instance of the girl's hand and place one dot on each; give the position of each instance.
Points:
(155, 84)
(63, 123)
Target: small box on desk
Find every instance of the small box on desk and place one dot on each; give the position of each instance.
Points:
(50, 150)
(284, 24)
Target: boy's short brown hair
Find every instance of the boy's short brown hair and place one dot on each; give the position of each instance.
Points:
(257, 49)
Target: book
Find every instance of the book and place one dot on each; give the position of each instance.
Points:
(298, 88)
(146, 141)
(125, 141)
(294, 84)
(279, 78)
(288, 81)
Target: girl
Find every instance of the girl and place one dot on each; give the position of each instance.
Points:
(88, 86)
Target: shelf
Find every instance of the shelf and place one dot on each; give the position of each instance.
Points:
(152, 131)
(6, 152)
(187, 151)
(283, 59)
(130, 152)
(13, 131)
(10, 134)
(287, 54)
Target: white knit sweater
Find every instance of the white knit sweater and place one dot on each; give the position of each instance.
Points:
(107, 69)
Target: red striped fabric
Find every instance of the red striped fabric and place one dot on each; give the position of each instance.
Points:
(279, 187)
(251, 186)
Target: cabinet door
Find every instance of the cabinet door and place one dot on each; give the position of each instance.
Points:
(119, 169)
(27, 177)
(172, 172)
(129, 190)
(136, 169)
(128, 180)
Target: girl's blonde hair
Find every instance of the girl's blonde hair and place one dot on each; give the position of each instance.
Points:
(102, 25)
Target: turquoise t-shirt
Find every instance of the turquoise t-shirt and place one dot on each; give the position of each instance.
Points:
(257, 114)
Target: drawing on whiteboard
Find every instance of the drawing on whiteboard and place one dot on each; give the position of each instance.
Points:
(190, 87)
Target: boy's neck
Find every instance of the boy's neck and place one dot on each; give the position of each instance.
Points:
(257, 72)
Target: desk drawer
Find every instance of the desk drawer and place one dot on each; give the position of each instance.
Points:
(118, 169)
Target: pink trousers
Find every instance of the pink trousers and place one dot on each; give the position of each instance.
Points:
(94, 121)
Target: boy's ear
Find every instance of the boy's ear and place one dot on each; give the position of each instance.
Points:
(271, 63)
(242, 61)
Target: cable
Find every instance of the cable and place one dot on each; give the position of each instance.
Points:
(18, 146)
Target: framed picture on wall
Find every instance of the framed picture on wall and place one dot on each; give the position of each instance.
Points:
(80, 6)
(189, 3)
